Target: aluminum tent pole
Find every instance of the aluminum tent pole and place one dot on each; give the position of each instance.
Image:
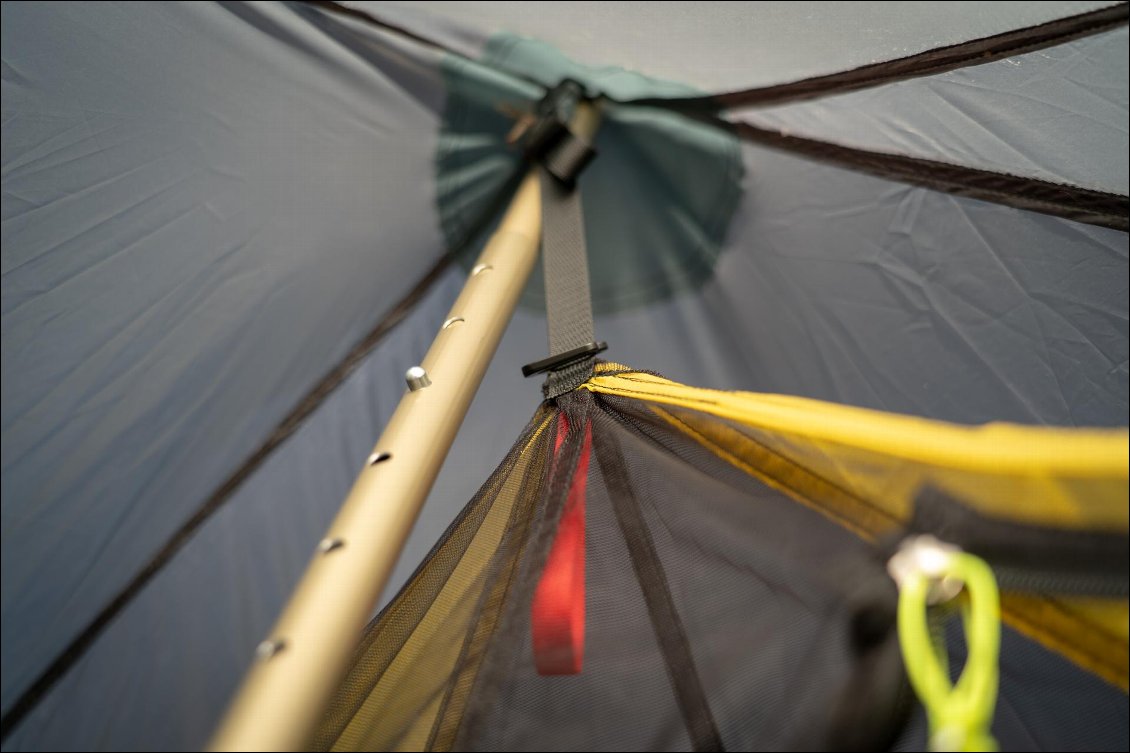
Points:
(300, 664)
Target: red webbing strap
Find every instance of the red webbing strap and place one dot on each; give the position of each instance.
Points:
(557, 614)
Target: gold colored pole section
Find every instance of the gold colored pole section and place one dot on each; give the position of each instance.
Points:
(298, 667)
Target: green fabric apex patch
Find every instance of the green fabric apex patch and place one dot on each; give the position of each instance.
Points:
(657, 199)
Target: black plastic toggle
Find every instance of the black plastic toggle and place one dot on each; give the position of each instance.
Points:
(553, 363)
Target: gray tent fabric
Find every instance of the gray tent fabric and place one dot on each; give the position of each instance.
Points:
(721, 46)
(206, 205)
(187, 243)
(923, 303)
(1054, 114)
(168, 666)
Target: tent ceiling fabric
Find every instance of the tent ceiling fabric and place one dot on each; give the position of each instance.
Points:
(1058, 114)
(722, 46)
(206, 205)
(168, 666)
(191, 198)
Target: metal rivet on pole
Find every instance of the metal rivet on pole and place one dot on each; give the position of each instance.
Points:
(417, 378)
(269, 648)
(328, 544)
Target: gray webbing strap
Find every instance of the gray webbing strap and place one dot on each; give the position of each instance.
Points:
(568, 302)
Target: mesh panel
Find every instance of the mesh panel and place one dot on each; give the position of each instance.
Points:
(766, 589)
(856, 491)
(719, 613)
(409, 675)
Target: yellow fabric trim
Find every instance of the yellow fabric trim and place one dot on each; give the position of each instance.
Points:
(1092, 633)
(997, 448)
(1066, 476)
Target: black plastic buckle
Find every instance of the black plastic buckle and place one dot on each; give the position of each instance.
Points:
(549, 140)
(553, 363)
(553, 113)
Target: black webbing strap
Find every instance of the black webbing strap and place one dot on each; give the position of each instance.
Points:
(670, 633)
(562, 155)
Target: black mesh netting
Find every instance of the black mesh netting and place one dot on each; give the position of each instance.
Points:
(718, 612)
